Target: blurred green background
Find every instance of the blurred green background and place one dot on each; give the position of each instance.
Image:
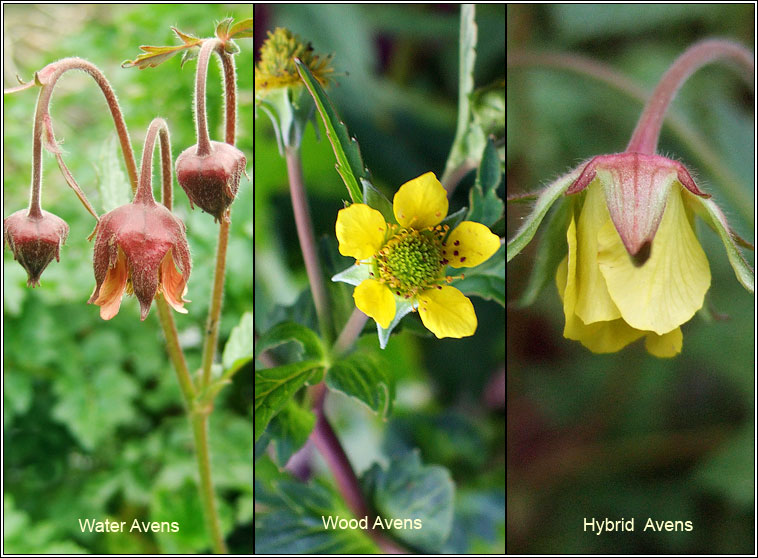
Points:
(93, 419)
(628, 435)
(396, 89)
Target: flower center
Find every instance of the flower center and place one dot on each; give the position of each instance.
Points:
(411, 261)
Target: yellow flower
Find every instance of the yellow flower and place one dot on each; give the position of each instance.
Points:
(407, 260)
(276, 68)
(611, 299)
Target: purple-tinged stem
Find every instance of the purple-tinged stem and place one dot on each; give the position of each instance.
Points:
(145, 188)
(201, 75)
(645, 137)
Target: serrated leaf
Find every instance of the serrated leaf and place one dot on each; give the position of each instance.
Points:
(289, 430)
(274, 387)
(486, 206)
(242, 29)
(409, 490)
(293, 523)
(362, 376)
(349, 161)
(157, 55)
(547, 197)
(285, 332)
(374, 198)
(486, 280)
(239, 348)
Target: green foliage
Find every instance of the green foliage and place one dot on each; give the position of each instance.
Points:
(362, 376)
(349, 161)
(486, 206)
(293, 524)
(409, 490)
(486, 280)
(93, 418)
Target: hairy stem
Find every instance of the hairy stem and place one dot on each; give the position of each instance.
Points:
(217, 298)
(691, 138)
(49, 76)
(307, 240)
(200, 433)
(350, 332)
(645, 136)
(175, 351)
(230, 95)
(201, 75)
(145, 188)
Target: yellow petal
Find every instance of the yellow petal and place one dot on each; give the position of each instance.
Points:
(360, 231)
(112, 289)
(664, 346)
(446, 312)
(599, 337)
(470, 244)
(670, 287)
(420, 203)
(376, 301)
(593, 303)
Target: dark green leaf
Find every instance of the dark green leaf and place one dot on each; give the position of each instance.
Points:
(274, 387)
(410, 490)
(285, 332)
(486, 206)
(289, 430)
(361, 375)
(486, 280)
(374, 198)
(294, 523)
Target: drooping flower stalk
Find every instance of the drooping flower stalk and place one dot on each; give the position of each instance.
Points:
(48, 77)
(645, 136)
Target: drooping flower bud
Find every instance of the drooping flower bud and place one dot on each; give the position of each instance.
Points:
(211, 181)
(35, 239)
(140, 247)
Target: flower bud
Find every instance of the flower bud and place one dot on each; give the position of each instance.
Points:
(211, 181)
(35, 240)
(140, 247)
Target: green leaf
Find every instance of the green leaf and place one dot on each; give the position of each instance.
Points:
(486, 206)
(238, 350)
(242, 29)
(274, 387)
(487, 280)
(294, 523)
(552, 247)
(544, 202)
(715, 218)
(361, 375)
(158, 55)
(349, 161)
(92, 408)
(410, 490)
(222, 28)
(285, 332)
(112, 182)
(374, 198)
(454, 219)
(289, 430)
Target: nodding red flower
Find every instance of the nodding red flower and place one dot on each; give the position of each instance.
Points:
(211, 181)
(142, 248)
(35, 238)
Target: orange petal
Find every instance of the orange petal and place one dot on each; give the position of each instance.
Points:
(172, 285)
(113, 287)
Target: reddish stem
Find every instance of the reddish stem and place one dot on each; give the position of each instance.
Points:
(645, 137)
(201, 75)
(145, 188)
